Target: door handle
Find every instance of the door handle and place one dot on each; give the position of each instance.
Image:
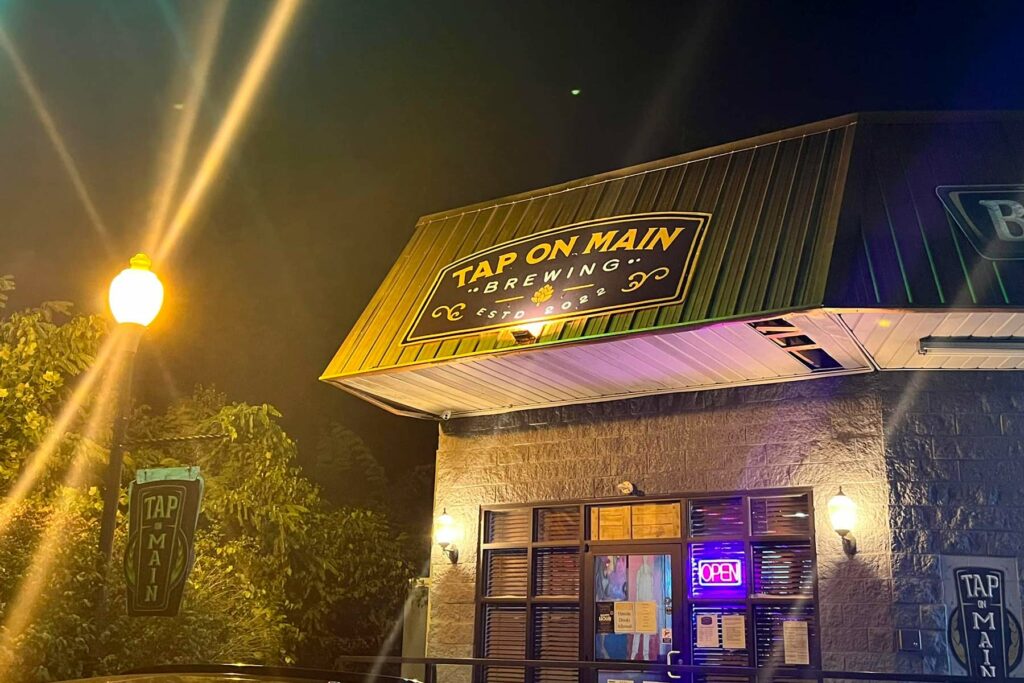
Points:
(668, 661)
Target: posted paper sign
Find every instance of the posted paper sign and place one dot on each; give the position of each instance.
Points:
(625, 617)
(646, 617)
(734, 631)
(794, 643)
(707, 630)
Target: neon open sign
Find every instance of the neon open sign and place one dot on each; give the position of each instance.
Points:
(715, 573)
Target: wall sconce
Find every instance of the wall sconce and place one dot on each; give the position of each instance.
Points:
(842, 512)
(528, 333)
(446, 534)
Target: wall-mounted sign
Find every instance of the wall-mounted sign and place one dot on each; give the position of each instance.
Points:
(982, 596)
(991, 216)
(163, 508)
(726, 572)
(597, 266)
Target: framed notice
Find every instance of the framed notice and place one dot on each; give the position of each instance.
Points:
(795, 647)
(656, 520)
(610, 523)
(734, 631)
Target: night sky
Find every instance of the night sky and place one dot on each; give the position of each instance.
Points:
(378, 112)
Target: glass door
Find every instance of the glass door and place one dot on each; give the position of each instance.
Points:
(632, 606)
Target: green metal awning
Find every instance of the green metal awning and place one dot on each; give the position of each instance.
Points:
(887, 212)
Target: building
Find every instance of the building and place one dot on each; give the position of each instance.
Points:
(650, 328)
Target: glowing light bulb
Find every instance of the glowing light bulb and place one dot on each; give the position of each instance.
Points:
(136, 294)
(446, 531)
(842, 512)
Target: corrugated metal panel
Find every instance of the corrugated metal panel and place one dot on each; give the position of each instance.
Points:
(897, 244)
(773, 200)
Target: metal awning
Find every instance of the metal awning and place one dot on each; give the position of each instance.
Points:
(814, 251)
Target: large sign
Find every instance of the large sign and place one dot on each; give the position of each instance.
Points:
(163, 508)
(596, 266)
(991, 216)
(983, 600)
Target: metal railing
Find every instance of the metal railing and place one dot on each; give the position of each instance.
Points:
(683, 672)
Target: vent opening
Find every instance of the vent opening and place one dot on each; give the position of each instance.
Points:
(796, 343)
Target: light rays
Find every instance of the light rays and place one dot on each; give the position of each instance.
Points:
(20, 612)
(173, 159)
(50, 126)
(37, 463)
(241, 102)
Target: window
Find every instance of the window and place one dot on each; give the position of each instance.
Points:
(744, 568)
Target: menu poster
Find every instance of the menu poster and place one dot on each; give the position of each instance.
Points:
(795, 647)
(605, 617)
(646, 613)
(734, 631)
(656, 520)
(613, 524)
(707, 630)
(625, 618)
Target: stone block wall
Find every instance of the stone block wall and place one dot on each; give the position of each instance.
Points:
(933, 461)
(955, 459)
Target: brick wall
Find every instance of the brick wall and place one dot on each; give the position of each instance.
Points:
(931, 460)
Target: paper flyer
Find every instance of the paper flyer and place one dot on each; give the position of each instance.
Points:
(707, 630)
(646, 614)
(734, 631)
(794, 643)
(625, 621)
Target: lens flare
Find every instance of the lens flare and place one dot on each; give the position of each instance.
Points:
(173, 159)
(50, 126)
(241, 102)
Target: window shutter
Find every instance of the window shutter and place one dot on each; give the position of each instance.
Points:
(557, 572)
(784, 569)
(504, 638)
(780, 516)
(507, 573)
(558, 524)
(716, 517)
(768, 631)
(556, 635)
(508, 526)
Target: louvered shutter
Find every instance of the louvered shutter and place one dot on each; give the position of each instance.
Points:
(507, 573)
(715, 656)
(768, 621)
(780, 515)
(717, 517)
(783, 569)
(556, 635)
(558, 524)
(556, 572)
(508, 526)
(504, 638)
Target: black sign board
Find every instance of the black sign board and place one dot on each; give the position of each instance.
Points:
(984, 635)
(162, 516)
(991, 216)
(602, 265)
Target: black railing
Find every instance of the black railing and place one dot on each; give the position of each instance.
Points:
(683, 672)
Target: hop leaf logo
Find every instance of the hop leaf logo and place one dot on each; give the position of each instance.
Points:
(542, 294)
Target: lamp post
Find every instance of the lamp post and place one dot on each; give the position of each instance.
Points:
(135, 297)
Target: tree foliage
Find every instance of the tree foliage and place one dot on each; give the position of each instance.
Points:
(280, 575)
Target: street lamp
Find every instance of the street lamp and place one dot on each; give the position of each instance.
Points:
(135, 297)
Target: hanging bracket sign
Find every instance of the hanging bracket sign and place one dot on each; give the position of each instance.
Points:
(163, 509)
(603, 265)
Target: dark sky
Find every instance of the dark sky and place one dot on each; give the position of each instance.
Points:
(378, 112)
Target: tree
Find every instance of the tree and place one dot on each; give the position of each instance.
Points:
(280, 576)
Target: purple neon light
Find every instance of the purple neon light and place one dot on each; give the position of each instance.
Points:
(720, 572)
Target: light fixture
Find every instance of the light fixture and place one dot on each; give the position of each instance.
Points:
(446, 534)
(528, 333)
(842, 512)
(971, 346)
(136, 293)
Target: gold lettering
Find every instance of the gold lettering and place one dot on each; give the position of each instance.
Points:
(483, 269)
(563, 248)
(600, 241)
(646, 237)
(461, 274)
(156, 541)
(151, 592)
(664, 238)
(506, 260)
(538, 253)
(626, 241)
(154, 559)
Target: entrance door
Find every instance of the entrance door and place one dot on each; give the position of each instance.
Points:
(632, 606)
